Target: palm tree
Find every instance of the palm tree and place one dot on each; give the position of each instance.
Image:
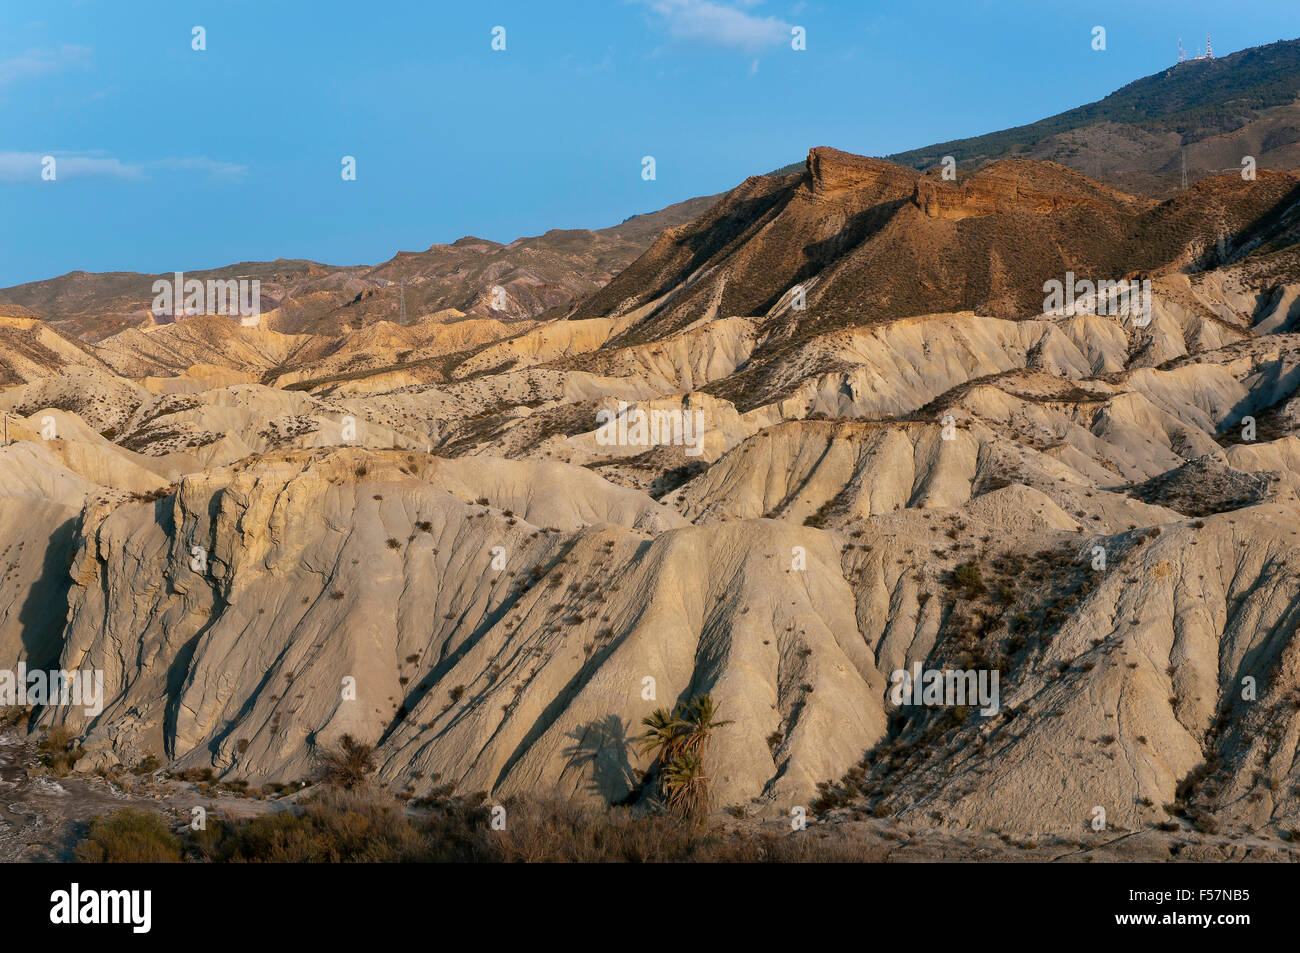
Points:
(678, 741)
(699, 717)
(686, 785)
(664, 736)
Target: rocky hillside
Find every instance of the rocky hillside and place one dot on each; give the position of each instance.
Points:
(425, 537)
(869, 242)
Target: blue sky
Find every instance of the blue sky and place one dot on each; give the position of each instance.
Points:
(171, 159)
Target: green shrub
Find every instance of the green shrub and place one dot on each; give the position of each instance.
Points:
(967, 576)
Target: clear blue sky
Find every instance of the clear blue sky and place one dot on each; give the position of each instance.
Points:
(171, 159)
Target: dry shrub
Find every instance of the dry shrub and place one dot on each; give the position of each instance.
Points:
(129, 836)
(541, 831)
(346, 826)
(346, 766)
(363, 825)
(59, 751)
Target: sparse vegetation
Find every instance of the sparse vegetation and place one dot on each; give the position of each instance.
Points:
(366, 826)
(129, 836)
(346, 766)
(59, 751)
(967, 577)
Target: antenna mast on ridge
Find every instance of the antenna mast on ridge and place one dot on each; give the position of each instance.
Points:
(1209, 53)
(1182, 53)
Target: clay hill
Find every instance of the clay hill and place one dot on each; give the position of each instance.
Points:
(923, 466)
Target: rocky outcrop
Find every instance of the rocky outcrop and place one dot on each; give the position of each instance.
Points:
(1016, 187)
(835, 173)
(30, 349)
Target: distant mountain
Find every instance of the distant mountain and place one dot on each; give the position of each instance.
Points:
(536, 273)
(1221, 110)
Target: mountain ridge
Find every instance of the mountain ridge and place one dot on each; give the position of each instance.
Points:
(1245, 103)
(536, 272)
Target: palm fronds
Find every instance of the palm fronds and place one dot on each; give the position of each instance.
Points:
(678, 741)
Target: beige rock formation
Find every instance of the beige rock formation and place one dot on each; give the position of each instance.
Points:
(419, 535)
